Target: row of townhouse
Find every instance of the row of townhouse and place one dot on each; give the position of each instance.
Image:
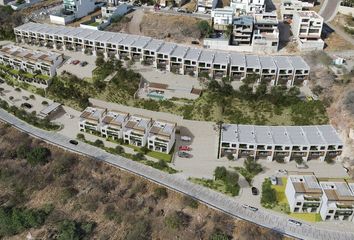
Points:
(278, 70)
(286, 143)
(333, 199)
(30, 61)
(140, 131)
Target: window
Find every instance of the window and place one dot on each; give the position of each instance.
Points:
(340, 147)
(269, 147)
(274, 44)
(150, 141)
(328, 217)
(304, 148)
(233, 145)
(287, 148)
(251, 146)
(126, 136)
(330, 211)
(298, 204)
(296, 209)
(323, 148)
(81, 125)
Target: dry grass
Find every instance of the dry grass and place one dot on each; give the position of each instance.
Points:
(336, 43)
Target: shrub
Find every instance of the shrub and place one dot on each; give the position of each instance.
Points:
(230, 157)
(280, 160)
(160, 192)
(18, 89)
(68, 193)
(98, 143)
(220, 173)
(119, 149)
(70, 229)
(11, 98)
(218, 235)
(190, 202)
(138, 157)
(44, 103)
(177, 220)
(80, 136)
(38, 155)
(299, 160)
(32, 97)
(252, 166)
(112, 214)
(140, 230)
(268, 198)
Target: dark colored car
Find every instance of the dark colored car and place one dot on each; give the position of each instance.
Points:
(254, 191)
(184, 155)
(74, 142)
(26, 105)
(83, 64)
(2, 81)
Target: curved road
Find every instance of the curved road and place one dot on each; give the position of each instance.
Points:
(214, 199)
(329, 9)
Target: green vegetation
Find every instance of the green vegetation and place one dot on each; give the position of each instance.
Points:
(218, 235)
(269, 197)
(160, 192)
(309, 217)
(250, 170)
(190, 202)
(8, 20)
(204, 28)
(69, 229)
(29, 117)
(177, 220)
(15, 220)
(225, 181)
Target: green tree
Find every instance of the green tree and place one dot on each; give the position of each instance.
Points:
(269, 197)
(38, 155)
(204, 28)
(220, 173)
(252, 166)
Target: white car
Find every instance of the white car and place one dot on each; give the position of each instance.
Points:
(186, 138)
(254, 209)
(273, 180)
(292, 221)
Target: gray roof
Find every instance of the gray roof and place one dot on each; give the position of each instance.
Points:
(243, 20)
(267, 62)
(180, 51)
(298, 62)
(129, 40)
(281, 135)
(237, 59)
(192, 54)
(221, 58)
(207, 56)
(252, 61)
(153, 45)
(141, 42)
(167, 48)
(52, 107)
(282, 62)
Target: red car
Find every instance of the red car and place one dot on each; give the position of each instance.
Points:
(75, 62)
(185, 148)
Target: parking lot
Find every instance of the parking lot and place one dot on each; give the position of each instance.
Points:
(73, 64)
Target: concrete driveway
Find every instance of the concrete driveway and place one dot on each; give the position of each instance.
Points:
(329, 9)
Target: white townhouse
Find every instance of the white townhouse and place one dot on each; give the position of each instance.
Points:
(307, 29)
(136, 130)
(248, 6)
(162, 136)
(337, 200)
(169, 56)
(222, 17)
(113, 123)
(265, 32)
(304, 193)
(269, 70)
(41, 65)
(90, 119)
(281, 143)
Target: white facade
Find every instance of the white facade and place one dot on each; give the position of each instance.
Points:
(222, 16)
(161, 137)
(90, 119)
(307, 29)
(73, 9)
(285, 143)
(265, 33)
(112, 124)
(136, 130)
(337, 201)
(248, 6)
(113, 11)
(303, 192)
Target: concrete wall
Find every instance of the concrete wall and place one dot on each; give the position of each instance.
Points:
(346, 10)
(61, 20)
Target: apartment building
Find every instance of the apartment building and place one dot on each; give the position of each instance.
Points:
(307, 29)
(72, 9)
(135, 131)
(39, 66)
(90, 119)
(112, 124)
(164, 55)
(114, 10)
(269, 70)
(304, 193)
(248, 6)
(337, 200)
(242, 30)
(288, 7)
(162, 136)
(265, 33)
(222, 17)
(285, 143)
(206, 5)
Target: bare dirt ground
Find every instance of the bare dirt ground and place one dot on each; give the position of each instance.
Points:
(180, 29)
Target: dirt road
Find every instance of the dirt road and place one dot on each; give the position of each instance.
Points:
(134, 25)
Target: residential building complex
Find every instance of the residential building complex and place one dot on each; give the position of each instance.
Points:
(163, 55)
(242, 30)
(333, 199)
(289, 7)
(265, 33)
(41, 65)
(248, 6)
(140, 131)
(161, 137)
(304, 193)
(90, 119)
(307, 29)
(222, 17)
(280, 143)
(135, 131)
(73, 9)
(337, 200)
(205, 5)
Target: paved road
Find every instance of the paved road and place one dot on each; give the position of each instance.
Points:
(329, 9)
(216, 200)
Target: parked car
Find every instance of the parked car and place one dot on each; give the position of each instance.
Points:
(72, 141)
(26, 105)
(254, 191)
(292, 221)
(195, 42)
(25, 98)
(254, 209)
(83, 64)
(75, 62)
(283, 171)
(186, 138)
(181, 10)
(273, 180)
(2, 81)
(184, 155)
(185, 148)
